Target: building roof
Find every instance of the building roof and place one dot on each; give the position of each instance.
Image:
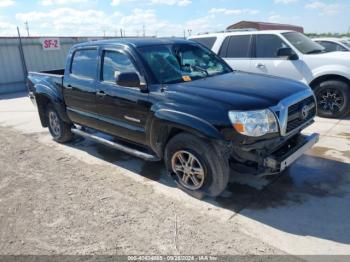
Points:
(265, 26)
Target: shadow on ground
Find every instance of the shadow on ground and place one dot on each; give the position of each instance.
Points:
(311, 198)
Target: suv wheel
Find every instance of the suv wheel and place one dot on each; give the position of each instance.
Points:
(196, 166)
(59, 130)
(332, 98)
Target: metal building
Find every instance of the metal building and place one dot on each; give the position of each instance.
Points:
(36, 58)
(265, 26)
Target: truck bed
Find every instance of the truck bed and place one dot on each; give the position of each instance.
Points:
(51, 78)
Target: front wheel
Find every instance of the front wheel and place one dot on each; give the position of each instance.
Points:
(196, 166)
(333, 98)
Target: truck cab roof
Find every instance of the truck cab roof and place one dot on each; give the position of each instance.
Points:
(134, 42)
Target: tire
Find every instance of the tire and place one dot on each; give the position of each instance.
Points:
(333, 98)
(215, 176)
(59, 130)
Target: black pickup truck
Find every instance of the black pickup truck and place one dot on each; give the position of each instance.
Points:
(176, 100)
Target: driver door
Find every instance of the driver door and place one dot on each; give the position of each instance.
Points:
(123, 110)
(266, 61)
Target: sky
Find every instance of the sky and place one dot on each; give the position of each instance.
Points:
(165, 17)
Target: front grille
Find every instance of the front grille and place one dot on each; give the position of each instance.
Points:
(295, 116)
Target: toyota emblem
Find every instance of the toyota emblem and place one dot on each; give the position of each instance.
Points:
(304, 112)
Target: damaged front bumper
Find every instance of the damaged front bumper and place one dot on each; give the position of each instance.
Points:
(283, 158)
(269, 156)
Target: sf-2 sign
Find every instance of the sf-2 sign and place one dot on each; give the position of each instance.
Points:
(50, 43)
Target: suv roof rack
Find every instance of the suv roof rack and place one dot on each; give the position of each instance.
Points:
(230, 30)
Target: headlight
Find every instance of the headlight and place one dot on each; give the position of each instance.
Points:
(254, 123)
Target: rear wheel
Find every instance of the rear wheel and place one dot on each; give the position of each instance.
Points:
(333, 98)
(196, 166)
(59, 130)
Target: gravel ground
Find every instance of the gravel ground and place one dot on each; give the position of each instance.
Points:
(53, 203)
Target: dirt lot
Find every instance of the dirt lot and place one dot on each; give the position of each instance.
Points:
(84, 198)
(54, 203)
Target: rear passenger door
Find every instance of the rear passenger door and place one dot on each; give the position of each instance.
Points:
(236, 51)
(79, 86)
(266, 61)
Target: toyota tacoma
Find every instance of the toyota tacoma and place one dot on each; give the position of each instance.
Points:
(177, 101)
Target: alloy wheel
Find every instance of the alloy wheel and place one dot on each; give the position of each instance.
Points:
(54, 123)
(331, 99)
(188, 169)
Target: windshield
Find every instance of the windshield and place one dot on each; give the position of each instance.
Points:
(346, 42)
(182, 63)
(303, 43)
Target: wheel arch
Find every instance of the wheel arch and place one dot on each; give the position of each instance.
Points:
(167, 124)
(324, 78)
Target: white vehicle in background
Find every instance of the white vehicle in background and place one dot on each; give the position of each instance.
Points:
(334, 44)
(288, 54)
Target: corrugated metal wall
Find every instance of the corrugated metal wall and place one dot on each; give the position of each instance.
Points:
(12, 77)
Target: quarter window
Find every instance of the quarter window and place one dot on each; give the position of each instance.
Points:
(238, 46)
(115, 63)
(84, 63)
(267, 46)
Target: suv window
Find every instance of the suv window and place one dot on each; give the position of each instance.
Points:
(206, 41)
(331, 47)
(236, 46)
(84, 63)
(266, 46)
(115, 63)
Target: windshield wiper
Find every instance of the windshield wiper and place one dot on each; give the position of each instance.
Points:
(315, 51)
(198, 68)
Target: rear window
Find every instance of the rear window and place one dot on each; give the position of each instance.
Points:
(206, 41)
(84, 63)
(237, 46)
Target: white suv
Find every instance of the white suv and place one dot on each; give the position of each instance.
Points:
(288, 54)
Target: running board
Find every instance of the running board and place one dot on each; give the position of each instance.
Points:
(117, 146)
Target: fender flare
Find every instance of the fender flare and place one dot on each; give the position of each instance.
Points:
(54, 97)
(166, 119)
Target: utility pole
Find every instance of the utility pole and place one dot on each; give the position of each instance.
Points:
(104, 33)
(184, 34)
(143, 30)
(121, 32)
(189, 32)
(27, 27)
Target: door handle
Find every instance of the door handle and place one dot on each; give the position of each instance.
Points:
(69, 87)
(260, 65)
(101, 93)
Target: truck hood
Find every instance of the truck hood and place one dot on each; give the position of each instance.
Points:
(339, 58)
(241, 91)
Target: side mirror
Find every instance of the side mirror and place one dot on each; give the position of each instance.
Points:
(288, 53)
(130, 79)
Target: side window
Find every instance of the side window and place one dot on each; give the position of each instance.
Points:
(267, 46)
(239, 46)
(115, 63)
(223, 48)
(84, 63)
(206, 41)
